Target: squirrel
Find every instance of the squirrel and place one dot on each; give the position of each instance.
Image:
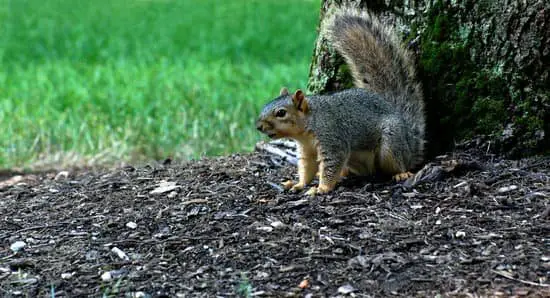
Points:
(376, 127)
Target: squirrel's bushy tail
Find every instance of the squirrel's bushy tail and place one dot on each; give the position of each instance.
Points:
(379, 63)
(376, 57)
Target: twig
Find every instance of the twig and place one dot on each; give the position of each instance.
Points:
(330, 257)
(507, 275)
(8, 257)
(36, 228)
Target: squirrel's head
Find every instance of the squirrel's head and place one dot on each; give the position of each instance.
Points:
(284, 116)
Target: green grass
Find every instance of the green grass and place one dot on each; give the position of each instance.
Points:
(134, 80)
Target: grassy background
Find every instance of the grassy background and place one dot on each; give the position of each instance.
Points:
(114, 80)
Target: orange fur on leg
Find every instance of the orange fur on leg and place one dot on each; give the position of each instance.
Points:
(307, 165)
(326, 184)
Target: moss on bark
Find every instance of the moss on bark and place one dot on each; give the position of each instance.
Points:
(468, 95)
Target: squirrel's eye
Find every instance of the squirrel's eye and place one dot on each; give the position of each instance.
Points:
(280, 113)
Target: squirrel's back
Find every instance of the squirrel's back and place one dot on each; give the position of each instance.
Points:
(354, 116)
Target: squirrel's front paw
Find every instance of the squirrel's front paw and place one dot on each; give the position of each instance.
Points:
(319, 190)
(298, 187)
(288, 184)
(293, 186)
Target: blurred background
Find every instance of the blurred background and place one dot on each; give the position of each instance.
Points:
(105, 81)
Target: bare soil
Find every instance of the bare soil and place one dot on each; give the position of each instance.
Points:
(471, 224)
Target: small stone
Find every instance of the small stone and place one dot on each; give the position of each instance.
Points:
(262, 274)
(31, 240)
(506, 189)
(265, 229)
(106, 276)
(17, 246)
(132, 225)
(277, 224)
(120, 253)
(501, 267)
(346, 289)
(61, 176)
(113, 274)
(67, 275)
(409, 195)
(164, 187)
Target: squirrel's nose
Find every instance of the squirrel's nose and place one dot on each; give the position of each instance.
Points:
(259, 125)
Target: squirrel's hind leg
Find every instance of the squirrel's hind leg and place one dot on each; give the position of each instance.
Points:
(361, 163)
(392, 165)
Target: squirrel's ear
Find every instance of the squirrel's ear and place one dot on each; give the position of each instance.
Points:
(299, 101)
(284, 91)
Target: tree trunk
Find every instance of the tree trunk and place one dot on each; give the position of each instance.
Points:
(484, 65)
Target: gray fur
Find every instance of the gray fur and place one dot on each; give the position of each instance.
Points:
(277, 103)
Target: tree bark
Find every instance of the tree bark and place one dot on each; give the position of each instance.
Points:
(484, 65)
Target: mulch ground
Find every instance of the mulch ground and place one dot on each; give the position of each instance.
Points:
(471, 224)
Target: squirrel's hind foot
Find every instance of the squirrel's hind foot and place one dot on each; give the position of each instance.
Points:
(402, 176)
